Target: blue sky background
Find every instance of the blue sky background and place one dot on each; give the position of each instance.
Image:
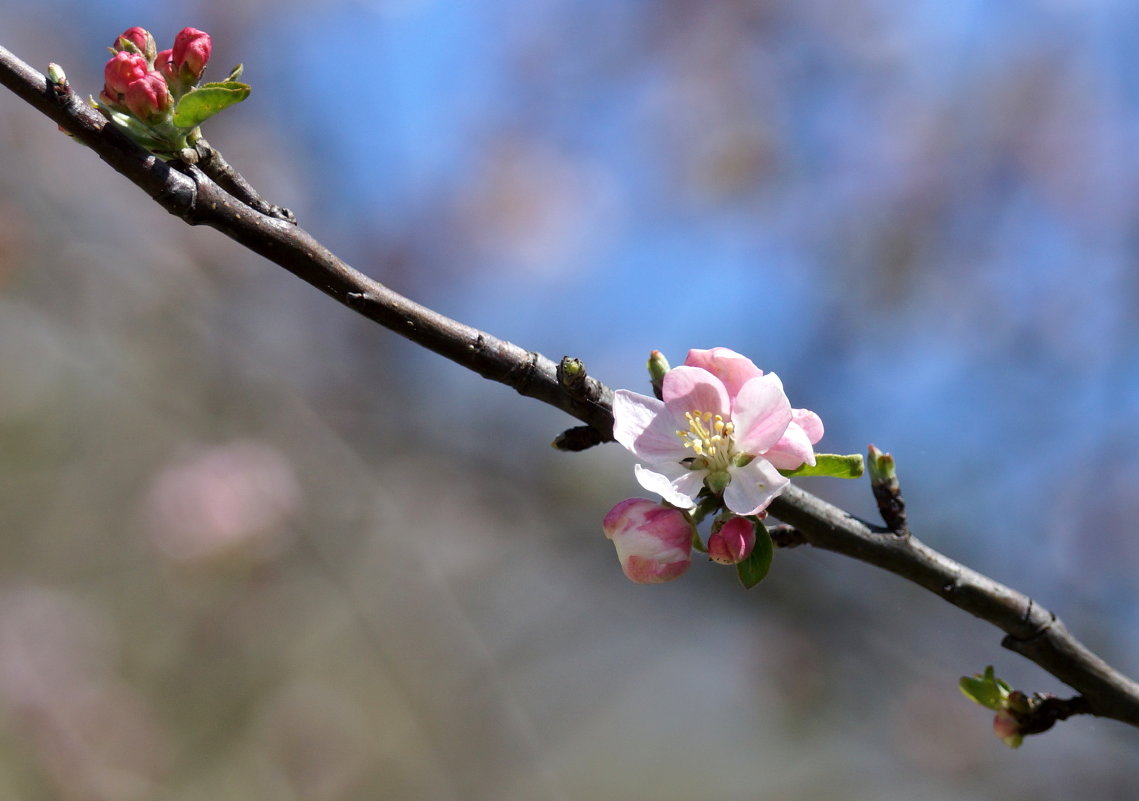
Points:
(922, 215)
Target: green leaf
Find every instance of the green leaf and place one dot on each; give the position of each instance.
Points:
(830, 464)
(235, 73)
(200, 104)
(754, 569)
(986, 690)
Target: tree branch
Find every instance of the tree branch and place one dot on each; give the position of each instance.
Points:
(1031, 630)
(188, 193)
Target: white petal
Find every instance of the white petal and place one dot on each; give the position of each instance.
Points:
(679, 489)
(645, 427)
(753, 486)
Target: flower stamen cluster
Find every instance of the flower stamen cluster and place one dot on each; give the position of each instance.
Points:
(710, 438)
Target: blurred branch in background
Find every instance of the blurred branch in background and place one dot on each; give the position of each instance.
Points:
(188, 193)
(924, 210)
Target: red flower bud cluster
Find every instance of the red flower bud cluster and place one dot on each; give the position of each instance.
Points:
(144, 82)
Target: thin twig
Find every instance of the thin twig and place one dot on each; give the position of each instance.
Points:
(214, 165)
(1031, 630)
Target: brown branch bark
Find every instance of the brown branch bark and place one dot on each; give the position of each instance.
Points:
(1031, 630)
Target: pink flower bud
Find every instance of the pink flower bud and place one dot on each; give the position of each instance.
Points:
(148, 98)
(191, 52)
(654, 542)
(121, 71)
(732, 542)
(140, 38)
(1006, 727)
(164, 63)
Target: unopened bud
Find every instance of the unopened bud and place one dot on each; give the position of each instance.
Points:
(1007, 728)
(887, 491)
(56, 75)
(190, 53)
(137, 40)
(881, 466)
(658, 366)
(164, 63)
(121, 71)
(148, 98)
(732, 542)
(654, 542)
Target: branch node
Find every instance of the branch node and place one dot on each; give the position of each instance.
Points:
(1041, 629)
(573, 377)
(520, 375)
(214, 165)
(1039, 712)
(578, 438)
(785, 536)
(571, 373)
(887, 491)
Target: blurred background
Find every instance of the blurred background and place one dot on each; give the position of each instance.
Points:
(255, 547)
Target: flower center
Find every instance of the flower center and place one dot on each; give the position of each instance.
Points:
(710, 438)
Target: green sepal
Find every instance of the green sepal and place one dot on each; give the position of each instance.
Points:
(153, 140)
(126, 44)
(833, 465)
(200, 104)
(754, 569)
(709, 504)
(986, 690)
(697, 543)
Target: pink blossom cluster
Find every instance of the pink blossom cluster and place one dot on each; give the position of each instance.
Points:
(717, 437)
(145, 82)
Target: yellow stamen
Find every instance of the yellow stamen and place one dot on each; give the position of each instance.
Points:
(709, 436)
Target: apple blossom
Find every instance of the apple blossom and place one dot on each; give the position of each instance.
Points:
(722, 425)
(806, 428)
(732, 542)
(654, 542)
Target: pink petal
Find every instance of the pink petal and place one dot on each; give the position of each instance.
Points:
(733, 542)
(761, 413)
(753, 487)
(730, 367)
(810, 422)
(792, 450)
(643, 570)
(687, 389)
(653, 542)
